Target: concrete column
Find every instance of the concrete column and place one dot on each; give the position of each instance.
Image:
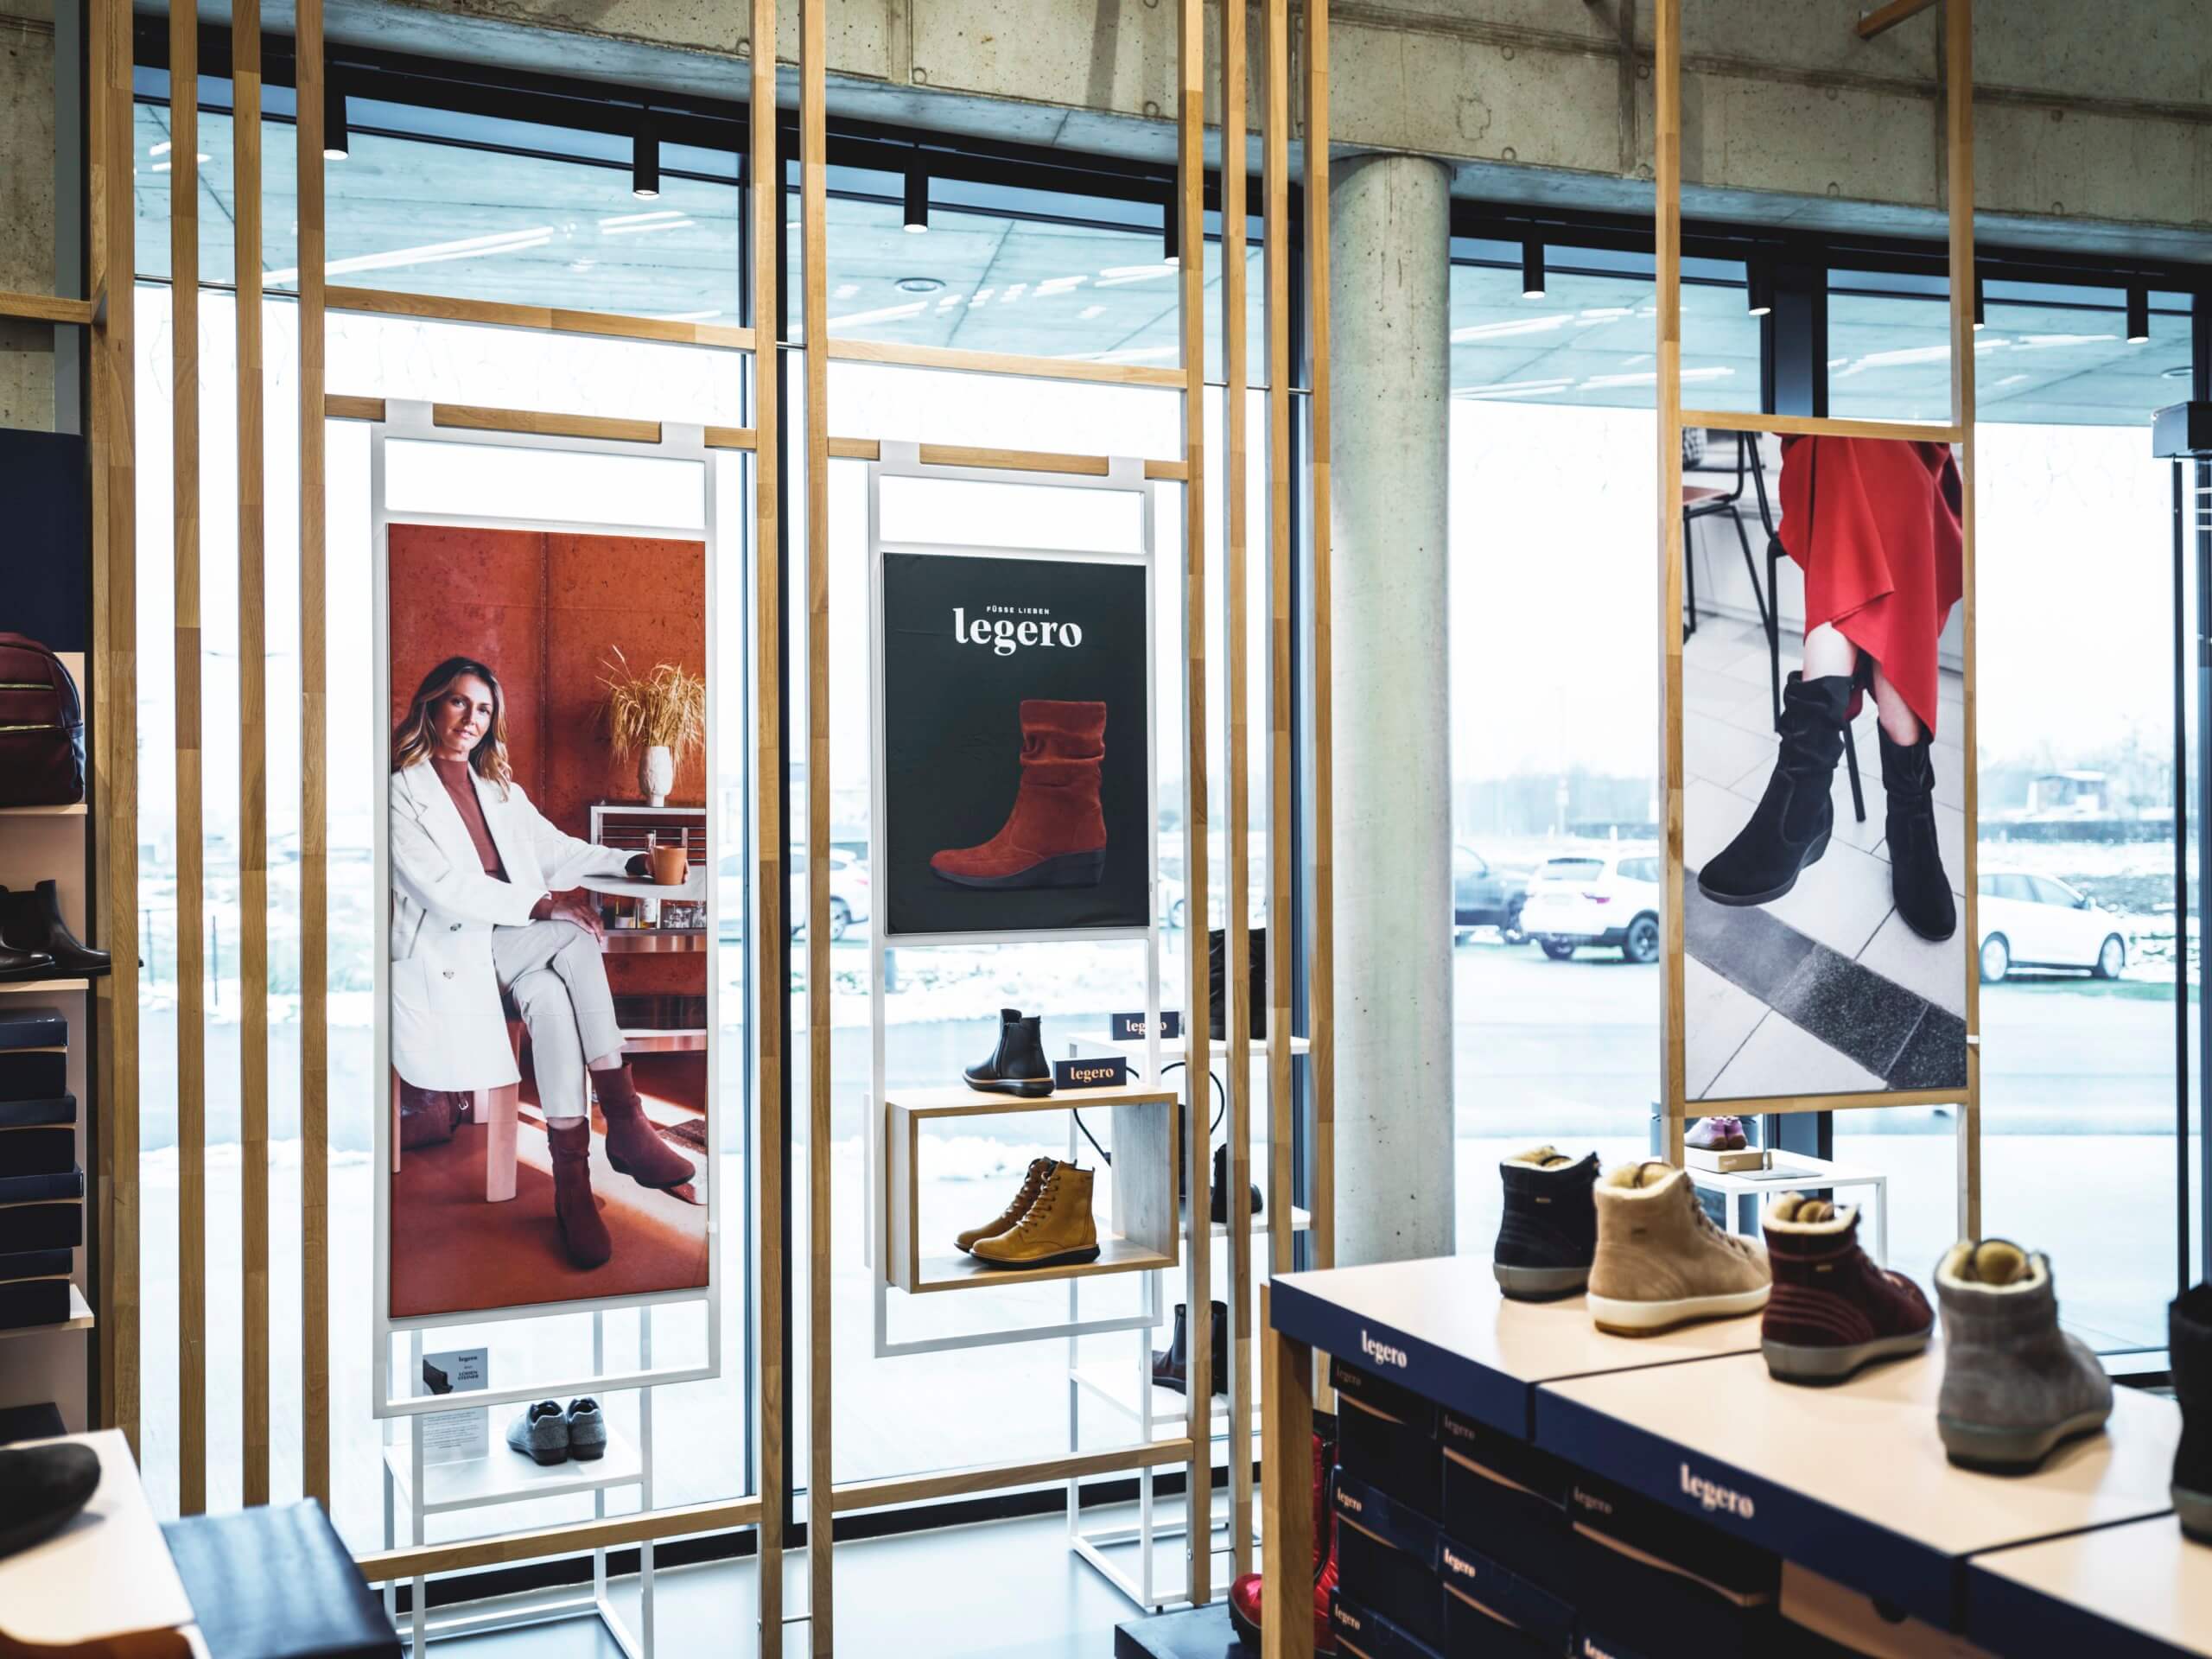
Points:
(1390, 311)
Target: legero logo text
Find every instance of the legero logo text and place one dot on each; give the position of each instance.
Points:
(1381, 1352)
(1005, 629)
(1710, 1495)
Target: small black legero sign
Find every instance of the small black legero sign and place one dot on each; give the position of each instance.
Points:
(1130, 1027)
(1108, 1073)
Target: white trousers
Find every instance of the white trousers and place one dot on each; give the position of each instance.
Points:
(555, 975)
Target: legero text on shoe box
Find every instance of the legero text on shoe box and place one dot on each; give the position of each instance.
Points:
(1387, 1438)
(1697, 1590)
(1506, 1499)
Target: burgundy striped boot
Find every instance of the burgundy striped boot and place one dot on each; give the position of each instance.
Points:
(1833, 1312)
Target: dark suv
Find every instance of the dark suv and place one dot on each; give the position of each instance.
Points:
(1484, 896)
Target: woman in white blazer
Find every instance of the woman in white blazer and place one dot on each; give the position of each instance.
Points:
(479, 910)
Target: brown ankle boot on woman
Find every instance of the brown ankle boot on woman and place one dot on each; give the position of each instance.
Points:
(583, 1234)
(634, 1146)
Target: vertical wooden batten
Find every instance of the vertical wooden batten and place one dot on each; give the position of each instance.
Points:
(1957, 87)
(114, 713)
(771, 940)
(1321, 972)
(1667, 164)
(1190, 181)
(815, 277)
(1281, 254)
(1237, 949)
(191, 883)
(314, 794)
(253, 754)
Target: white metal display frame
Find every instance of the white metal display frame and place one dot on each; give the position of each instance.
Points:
(1125, 475)
(1141, 1408)
(410, 421)
(526, 1485)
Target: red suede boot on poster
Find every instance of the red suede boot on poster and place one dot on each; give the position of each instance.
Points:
(1056, 834)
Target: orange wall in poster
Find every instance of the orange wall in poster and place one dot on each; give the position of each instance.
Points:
(544, 610)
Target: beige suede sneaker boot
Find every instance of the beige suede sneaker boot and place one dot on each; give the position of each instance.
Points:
(1661, 1262)
(1054, 1231)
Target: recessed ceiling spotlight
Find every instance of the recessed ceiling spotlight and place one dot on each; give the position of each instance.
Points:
(919, 284)
(2179, 371)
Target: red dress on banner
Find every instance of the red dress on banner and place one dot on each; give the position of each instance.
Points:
(1874, 525)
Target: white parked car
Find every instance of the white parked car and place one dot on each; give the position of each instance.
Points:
(1610, 897)
(2038, 921)
(848, 892)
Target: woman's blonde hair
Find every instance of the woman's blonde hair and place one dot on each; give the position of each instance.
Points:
(412, 743)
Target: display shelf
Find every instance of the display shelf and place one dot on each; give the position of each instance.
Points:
(653, 941)
(1851, 1481)
(957, 1272)
(75, 809)
(649, 1040)
(109, 1574)
(80, 1319)
(1110, 1386)
(1194, 1633)
(693, 885)
(1745, 1190)
(2141, 1590)
(508, 1477)
(43, 987)
(1302, 1221)
(1174, 1050)
(1465, 1346)
(1143, 1234)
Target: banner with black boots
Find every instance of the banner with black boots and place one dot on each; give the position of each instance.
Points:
(1016, 725)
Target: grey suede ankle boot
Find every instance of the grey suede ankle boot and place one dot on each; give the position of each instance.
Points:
(2014, 1384)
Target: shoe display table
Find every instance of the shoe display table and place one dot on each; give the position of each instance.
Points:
(1845, 1487)
(265, 1583)
(2141, 1590)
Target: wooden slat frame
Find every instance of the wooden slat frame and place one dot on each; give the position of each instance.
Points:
(1279, 254)
(771, 940)
(115, 714)
(1007, 363)
(315, 845)
(1236, 950)
(1286, 1378)
(48, 308)
(615, 325)
(1189, 184)
(253, 757)
(1958, 71)
(1321, 961)
(814, 271)
(191, 877)
(1884, 18)
(1958, 87)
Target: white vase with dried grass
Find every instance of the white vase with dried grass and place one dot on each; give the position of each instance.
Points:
(660, 717)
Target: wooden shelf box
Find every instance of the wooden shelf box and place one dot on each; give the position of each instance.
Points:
(1140, 1235)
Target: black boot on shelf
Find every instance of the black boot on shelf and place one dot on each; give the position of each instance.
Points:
(1017, 1065)
(1172, 1371)
(32, 921)
(1217, 1202)
(1788, 829)
(1917, 885)
(17, 966)
(2189, 1348)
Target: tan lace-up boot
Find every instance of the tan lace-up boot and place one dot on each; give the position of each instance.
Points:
(1661, 1262)
(1032, 1183)
(1054, 1231)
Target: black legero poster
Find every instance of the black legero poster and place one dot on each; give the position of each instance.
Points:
(1015, 734)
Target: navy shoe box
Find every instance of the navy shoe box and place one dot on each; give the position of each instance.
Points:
(38, 1137)
(1370, 1636)
(1386, 1559)
(1485, 1602)
(1505, 1499)
(1387, 1438)
(33, 1060)
(42, 1226)
(33, 1301)
(1676, 1616)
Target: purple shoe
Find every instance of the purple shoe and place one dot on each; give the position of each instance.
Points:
(1716, 1134)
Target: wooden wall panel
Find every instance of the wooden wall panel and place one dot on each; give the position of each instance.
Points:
(191, 881)
(1321, 974)
(253, 755)
(1197, 1097)
(115, 714)
(1958, 76)
(314, 794)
